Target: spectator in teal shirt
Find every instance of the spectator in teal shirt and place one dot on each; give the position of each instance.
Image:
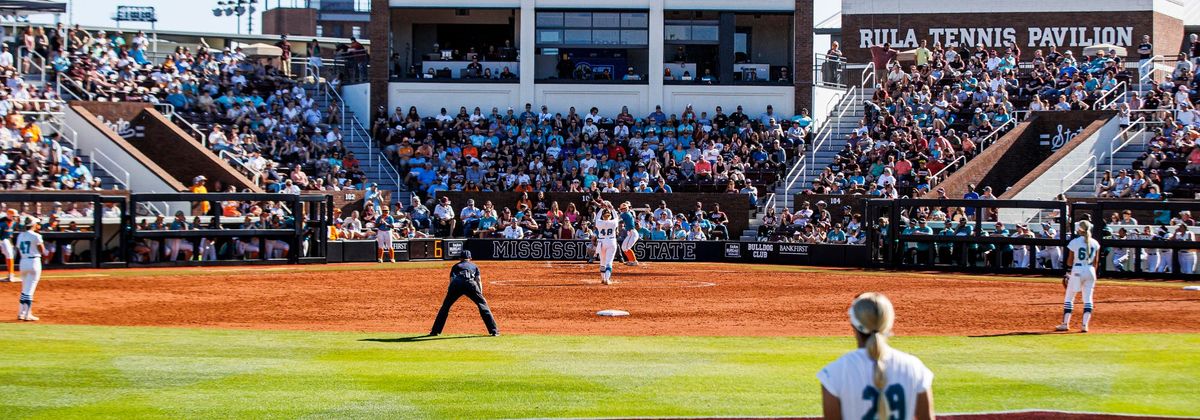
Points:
(836, 236)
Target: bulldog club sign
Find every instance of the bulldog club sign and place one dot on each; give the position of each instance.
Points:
(993, 37)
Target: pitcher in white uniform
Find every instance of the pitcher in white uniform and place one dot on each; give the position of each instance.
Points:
(1083, 256)
(876, 381)
(32, 250)
(606, 240)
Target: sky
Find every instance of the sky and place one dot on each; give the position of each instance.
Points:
(197, 16)
(180, 15)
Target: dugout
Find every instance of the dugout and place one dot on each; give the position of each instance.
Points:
(80, 223)
(294, 229)
(1138, 245)
(974, 245)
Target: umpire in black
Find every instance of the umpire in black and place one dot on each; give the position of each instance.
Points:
(465, 281)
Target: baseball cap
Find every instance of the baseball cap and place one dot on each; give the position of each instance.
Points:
(466, 255)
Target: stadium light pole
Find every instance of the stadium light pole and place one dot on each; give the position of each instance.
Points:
(238, 8)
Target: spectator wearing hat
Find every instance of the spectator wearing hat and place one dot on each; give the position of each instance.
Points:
(443, 216)
(198, 187)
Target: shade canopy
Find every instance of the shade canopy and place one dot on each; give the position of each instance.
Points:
(262, 50)
(31, 7)
(1121, 51)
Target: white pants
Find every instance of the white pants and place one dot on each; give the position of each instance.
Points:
(1083, 278)
(153, 245)
(1120, 259)
(246, 247)
(607, 248)
(274, 245)
(383, 238)
(1164, 261)
(177, 245)
(1020, 257)
(6, 246)
(631, 238)
(208, 250)
(1187, 262)
(31, 272)
(1053, 255)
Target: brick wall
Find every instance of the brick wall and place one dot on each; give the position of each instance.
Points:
(1167, 30)
(183, 157)
(802, 67)
(299, 21)
(379, 31)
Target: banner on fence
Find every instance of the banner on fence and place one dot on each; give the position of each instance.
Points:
(677, 251)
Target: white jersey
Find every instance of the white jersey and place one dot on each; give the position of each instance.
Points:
(28, 242)
(606, 229)
(1085, 251)
(850, 379)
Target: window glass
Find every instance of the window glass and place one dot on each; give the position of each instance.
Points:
(549, 36)
(606, 20)
(677, 32)
(577, 20)
(629, 37)
(577, 36)
(549, 19)
(705, 33)
(606, 37)
(635, 20)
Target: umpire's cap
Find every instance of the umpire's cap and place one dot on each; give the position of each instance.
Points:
(466, 255)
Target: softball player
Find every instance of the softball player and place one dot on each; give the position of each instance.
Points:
(32, 250)
(1051, 254)
(383, 235)
(1187, 257)
(1165, 255)
(1020, 254)
(175, 246)
(8, 228)
(208, 247)
(631, 233)
(1152, 253)
(1120, 256)
(876, 381)
(1083, 257)
(606, 242)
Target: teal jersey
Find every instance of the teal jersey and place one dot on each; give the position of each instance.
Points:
(627, 221)
(8, 229)
(923, 246)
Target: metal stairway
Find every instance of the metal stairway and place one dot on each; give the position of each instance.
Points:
(844, 117)
(356, 137)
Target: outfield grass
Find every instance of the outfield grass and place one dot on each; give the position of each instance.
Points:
(49, 371)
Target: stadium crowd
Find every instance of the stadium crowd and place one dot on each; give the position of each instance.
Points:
(929, 116)
(528, 218)
(531, 151)
(250, 110)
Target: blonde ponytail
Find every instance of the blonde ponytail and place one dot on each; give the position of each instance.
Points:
(877, 349)
(1084, 228)
(872, 315)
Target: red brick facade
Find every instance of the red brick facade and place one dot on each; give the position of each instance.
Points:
(802, 68)
(379, 31)
(297, 21)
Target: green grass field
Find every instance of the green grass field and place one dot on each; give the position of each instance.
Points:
(55, 372)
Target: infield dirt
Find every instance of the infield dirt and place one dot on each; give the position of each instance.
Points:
(561, 298)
